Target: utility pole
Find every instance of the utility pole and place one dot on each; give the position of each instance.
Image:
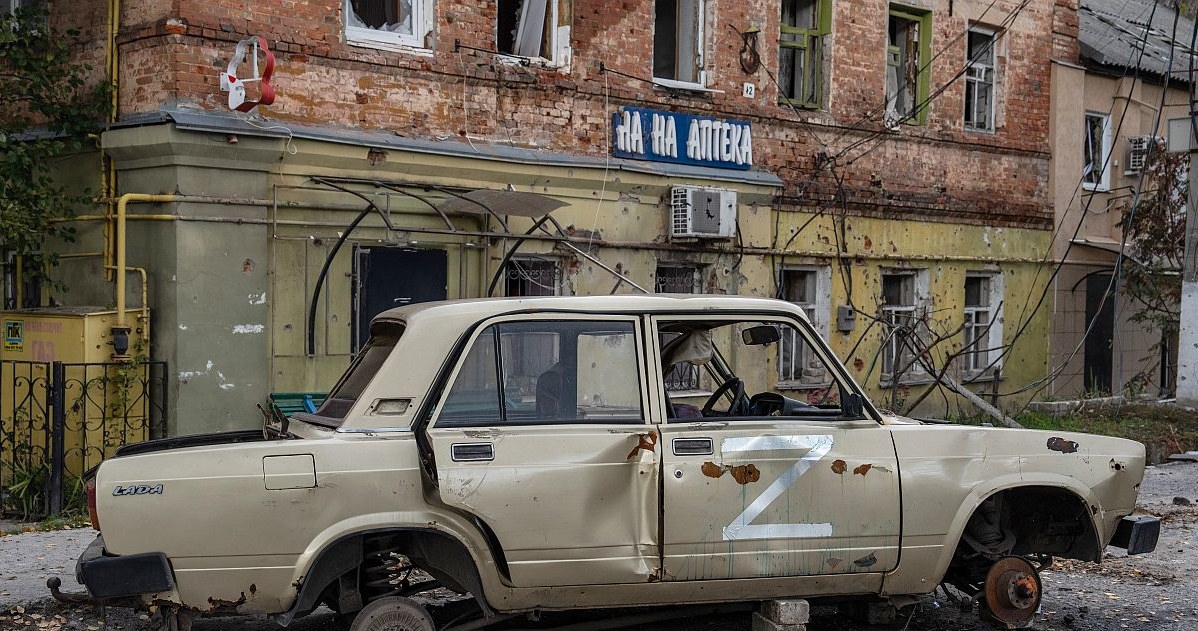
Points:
(1187, 335)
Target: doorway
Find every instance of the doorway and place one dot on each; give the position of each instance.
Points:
(1099, 343)
(389, 277)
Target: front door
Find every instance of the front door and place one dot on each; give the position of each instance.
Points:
(780, 478)
(389, 277)
(1100, 321)
(542, 435)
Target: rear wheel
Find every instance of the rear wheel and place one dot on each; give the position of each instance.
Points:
(393, 614)
(1011, 593)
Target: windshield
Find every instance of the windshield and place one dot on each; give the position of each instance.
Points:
(363, 368)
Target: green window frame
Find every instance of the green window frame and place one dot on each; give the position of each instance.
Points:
(895, 65)
(805, 76)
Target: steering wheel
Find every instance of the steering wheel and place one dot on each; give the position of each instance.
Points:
(740, 402)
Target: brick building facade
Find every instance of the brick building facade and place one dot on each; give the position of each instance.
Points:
(900, 169)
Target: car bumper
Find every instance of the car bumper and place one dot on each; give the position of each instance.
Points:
(1137, 533)
(107, 576)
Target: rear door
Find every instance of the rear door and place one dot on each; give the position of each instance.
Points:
(542, 434)
(771, 494)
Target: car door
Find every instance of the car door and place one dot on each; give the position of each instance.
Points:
(776, 495)
(542, 434)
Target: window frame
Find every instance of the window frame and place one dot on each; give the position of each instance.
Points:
(1104, 162)
(992, 67)
(422, 13)
(995, 293)
(462, 352)
(556, 55)
(696, 376)
(524, 260)
(700, 52)
(811, 44)
(916, 373)
(923, 80)
(818, 313)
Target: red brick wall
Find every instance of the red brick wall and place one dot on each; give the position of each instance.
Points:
(938, 170)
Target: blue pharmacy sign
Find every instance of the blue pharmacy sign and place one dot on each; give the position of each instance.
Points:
(644, 134)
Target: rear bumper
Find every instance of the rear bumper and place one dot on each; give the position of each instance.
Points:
(1137, 533)
(107, 576)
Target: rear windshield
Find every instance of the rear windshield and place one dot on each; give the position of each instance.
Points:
(364, 367)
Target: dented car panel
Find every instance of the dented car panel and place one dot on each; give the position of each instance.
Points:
(545, 456)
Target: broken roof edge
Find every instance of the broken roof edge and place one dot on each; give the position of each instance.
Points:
(218, 122)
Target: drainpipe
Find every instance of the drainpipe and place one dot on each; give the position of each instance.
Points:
(120, 331)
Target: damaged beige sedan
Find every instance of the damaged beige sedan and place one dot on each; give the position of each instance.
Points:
(600, 453)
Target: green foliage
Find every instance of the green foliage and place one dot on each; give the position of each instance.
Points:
(50, 106)
(1155, 235)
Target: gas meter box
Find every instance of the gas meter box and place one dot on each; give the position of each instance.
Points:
(69, 334)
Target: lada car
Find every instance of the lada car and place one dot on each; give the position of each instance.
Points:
(600, 453)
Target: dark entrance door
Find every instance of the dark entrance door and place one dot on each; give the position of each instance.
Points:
(1102, 337)
(394, 277)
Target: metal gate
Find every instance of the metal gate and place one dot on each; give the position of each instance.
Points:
(58, 420)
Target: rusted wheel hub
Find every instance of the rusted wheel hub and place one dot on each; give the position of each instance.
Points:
(1012, 592)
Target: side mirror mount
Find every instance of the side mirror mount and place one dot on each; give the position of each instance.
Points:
(760, 335)
(852, 406)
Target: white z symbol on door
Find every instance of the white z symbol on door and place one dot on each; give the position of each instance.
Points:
(817, 446)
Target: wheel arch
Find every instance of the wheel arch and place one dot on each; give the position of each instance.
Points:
(1029, 493)
(440, 553)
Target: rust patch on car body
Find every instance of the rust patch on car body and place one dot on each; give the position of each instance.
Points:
(646, 442)
(743, 474)
(1060, 444)
(839, 466)
(867, 561)
(862, 470)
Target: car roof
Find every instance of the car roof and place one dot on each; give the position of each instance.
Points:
(480, 308)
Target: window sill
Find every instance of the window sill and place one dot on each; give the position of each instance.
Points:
(980, 130)
(807, 107)
(1096, 188)
(914, 380)
(397, 44)
(528, 62)
(683, 86)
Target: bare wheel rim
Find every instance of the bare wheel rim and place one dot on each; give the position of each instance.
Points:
(393, 614)
(1012, 590)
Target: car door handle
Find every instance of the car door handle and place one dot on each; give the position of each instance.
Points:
(692, 446)
(472, 452)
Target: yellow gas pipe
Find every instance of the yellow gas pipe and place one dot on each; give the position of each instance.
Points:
(120, 332)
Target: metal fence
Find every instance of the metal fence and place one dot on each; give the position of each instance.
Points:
(58, 420)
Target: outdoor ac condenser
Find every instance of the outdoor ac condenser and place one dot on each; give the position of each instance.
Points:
(702, 213)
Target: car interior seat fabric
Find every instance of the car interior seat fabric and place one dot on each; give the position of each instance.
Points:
(549, 392)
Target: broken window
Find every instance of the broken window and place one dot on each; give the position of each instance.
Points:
(526, 28)
(365, 366)
(983, 323)
(679, 279)
(386, 21)
(678, 43)
(908, 46)
(520, 373)
(532, 277)
(1097, 151)
(980, 79)
(800, 51)
(901, 310)
(807, 288)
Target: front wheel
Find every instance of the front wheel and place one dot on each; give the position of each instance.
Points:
(393, 614)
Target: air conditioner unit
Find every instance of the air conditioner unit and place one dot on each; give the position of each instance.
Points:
(1138, 148)
(702, 213)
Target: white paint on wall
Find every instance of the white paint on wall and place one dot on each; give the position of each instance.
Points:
(248, 328)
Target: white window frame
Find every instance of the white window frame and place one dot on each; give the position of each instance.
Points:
(989, 66)
(811, 367)
(558, 41)
(422, 12)
(977, 359)
(914, 311)
(1105, 162)
(700, 54)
